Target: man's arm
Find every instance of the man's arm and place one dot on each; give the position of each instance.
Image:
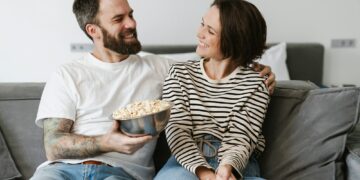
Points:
(61, 143)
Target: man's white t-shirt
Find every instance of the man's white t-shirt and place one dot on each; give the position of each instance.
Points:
(88, 90)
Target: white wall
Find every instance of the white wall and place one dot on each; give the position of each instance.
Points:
(35, 36)
(319, 21)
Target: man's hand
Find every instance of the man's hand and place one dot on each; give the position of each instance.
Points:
(266, 70)
(204, 173)
(116, 141)
(224, 172)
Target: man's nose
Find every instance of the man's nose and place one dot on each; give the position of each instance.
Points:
(130, 23)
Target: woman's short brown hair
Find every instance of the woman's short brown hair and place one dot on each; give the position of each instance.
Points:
(243, 30)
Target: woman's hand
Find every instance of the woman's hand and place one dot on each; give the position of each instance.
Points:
(266, 70)
(204, 173)
(224, 172)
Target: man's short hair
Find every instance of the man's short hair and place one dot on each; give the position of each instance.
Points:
(85, 12)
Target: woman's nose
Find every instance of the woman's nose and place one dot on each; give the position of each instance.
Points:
(200, 33)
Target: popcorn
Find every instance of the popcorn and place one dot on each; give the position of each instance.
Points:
(141, 108)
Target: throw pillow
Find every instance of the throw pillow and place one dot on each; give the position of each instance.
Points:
(182, 57)
(175, 57)
(275, 57)
(306, 133)
(145, 53)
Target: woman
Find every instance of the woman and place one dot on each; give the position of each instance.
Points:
(219, 103)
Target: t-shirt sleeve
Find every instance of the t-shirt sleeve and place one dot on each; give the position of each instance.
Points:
(57, 100)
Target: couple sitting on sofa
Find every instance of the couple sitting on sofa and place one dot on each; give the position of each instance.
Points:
(215, 129)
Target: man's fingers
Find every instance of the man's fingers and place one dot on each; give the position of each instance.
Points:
(271, 83)
(132, 144)
(264, 70)
(115, 126)
(139, 140)
(257, 67)
(272, 88)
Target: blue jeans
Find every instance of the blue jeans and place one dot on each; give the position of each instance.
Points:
(80, 171)
(173, 170)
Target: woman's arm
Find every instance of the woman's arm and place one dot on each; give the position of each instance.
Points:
(244, 129)
(179, 128)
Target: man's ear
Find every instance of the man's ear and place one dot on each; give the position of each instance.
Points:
(93, 31)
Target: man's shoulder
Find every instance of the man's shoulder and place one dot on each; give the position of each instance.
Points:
(70, 69)
(74, 64)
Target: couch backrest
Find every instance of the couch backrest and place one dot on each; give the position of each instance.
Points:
(301, 57)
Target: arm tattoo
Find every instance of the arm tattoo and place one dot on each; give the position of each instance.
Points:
(61, 143)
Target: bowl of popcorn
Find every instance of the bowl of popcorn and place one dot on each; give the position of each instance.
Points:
(147, 117)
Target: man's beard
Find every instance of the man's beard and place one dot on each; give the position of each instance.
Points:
(119, 45)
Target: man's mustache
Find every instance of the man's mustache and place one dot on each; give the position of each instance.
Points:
(127, 32)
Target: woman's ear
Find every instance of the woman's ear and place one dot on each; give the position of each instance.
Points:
(93, 31)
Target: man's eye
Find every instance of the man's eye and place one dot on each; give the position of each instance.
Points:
(118, 20)
(202, 24)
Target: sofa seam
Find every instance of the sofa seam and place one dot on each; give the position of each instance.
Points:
(18, 99)
(357, 115)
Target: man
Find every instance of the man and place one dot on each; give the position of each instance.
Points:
(80, 140)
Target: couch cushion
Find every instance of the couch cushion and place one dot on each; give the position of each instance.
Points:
(18, 108)
(306, 132)
(8, 168)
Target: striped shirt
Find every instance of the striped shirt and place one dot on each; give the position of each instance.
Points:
(232, 109)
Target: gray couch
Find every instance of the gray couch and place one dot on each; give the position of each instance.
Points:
(307, 128)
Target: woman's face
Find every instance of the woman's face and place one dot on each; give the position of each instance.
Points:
(209, 35)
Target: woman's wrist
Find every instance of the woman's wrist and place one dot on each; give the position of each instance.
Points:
(225, 171)
(202, 172)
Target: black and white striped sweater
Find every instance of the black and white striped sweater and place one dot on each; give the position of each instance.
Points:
(232, 109)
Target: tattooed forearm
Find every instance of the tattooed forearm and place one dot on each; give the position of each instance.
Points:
(60, 143)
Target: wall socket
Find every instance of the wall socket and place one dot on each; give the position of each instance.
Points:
(81, 47)
(343, 43)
